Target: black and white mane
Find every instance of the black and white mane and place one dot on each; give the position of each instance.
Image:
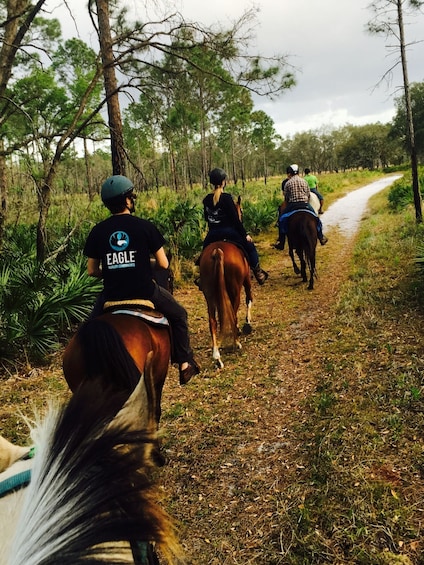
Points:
(90, 488)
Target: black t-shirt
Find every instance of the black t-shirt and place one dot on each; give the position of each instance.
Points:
(223, 215)
(124, 243)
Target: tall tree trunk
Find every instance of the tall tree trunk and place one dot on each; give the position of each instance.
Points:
(20, 15)
(3, 194)
(409, 118)
(44, 200)
(111, 89)
(173, 166)
(233, 158)
(88, 172)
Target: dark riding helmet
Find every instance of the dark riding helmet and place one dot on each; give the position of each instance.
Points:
(293, 170)
(116, 185)
(217, 177)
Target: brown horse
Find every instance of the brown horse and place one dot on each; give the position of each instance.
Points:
(224, 270)
(302, 238)
(116, 347)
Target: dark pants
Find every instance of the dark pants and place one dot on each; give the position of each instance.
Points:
(232, 235)
(320, 196)
(177, 317)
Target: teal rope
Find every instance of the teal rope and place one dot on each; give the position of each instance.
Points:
(16, 482)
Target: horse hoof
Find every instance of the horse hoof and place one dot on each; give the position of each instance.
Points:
(247, 329)
(238, 345)
(219, 364)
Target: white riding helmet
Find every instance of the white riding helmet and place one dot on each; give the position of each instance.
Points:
(293, 169)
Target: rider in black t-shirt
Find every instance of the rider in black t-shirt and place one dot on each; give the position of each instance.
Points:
(224, 223)
(119, 250)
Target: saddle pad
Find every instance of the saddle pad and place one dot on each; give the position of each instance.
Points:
(155, 318)
(288, 214)
(140, 302)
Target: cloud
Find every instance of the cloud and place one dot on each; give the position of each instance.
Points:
(337, 63)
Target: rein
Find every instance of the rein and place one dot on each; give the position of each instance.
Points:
(20, 479)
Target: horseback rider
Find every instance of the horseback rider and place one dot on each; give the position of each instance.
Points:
(313, 185)
(296, 193)
(223, 220)
(119, 250)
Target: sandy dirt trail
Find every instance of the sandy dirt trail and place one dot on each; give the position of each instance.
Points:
(230, 435)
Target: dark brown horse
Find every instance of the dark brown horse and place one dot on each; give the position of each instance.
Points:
(302, 238)
(224, 270)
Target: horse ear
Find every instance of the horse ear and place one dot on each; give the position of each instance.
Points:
(135, 413)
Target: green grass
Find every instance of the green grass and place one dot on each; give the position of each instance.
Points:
(367, 413)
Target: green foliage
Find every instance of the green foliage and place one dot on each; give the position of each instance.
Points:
(259, 216)
(39, 302)
(401, 194)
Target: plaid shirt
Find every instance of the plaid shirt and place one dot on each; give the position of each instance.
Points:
(296, 189)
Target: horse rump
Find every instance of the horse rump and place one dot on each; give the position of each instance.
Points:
(103, 354)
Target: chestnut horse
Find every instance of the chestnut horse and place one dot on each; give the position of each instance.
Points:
(224, 270)
(115, 347)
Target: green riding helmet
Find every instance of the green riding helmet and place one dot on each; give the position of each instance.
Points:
(116, 185)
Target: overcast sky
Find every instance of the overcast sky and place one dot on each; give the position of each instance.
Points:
(336, 62)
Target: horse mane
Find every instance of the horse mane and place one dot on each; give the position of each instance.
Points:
(91, 485)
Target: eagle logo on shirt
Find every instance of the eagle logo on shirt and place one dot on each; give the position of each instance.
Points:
(119, 240)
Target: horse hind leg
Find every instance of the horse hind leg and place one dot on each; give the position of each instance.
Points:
(303, 269)
(295, 267)
(312, 273)
(216, 355)
(247, 327)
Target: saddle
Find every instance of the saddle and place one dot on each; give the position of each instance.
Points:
(138, 307)
(284, 217)
(236, 243)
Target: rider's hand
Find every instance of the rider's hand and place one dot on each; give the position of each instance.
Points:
(248, 238)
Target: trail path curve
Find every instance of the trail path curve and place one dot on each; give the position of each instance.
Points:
(346, 213)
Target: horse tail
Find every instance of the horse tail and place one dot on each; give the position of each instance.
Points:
(106, 356)
(226, 317)
(310, 243)
(91, 485)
